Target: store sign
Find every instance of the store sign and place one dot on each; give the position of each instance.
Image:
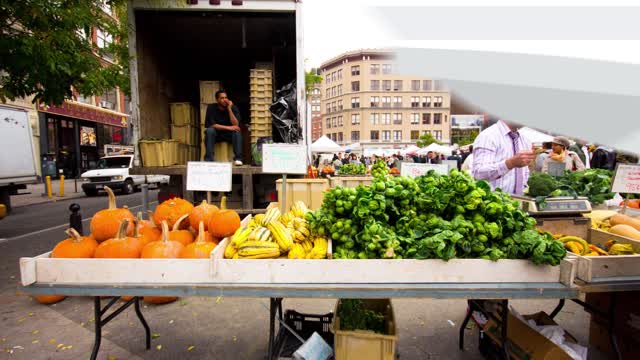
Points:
(208, 176)
(87, 136)
(626, 179)
(86, 112)
(284, 159)
(419, 169)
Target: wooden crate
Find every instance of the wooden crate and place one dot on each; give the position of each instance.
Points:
(351, 181)
(182, 113)
(575, 226)
(310, 191)
(609, 268)
(208, 91)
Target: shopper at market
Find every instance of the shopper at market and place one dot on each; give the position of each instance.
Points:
(501, 155)
(542, 156)
(561, 154)
(454, 156)
(432, 158)
(222, 123)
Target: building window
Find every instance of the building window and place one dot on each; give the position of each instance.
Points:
(415, 119)
(375, 101)
(374, 119)
(397, 135)
(339, 90)
(316, 92)
(328, 93)
(386, 85)
(375, 69)
(437, 101)
(426, 101)
(437, 134)
(334, 122)
(386, 101)
(386, 69)
(340, 121)
(397, 101)
(426, 119)
(339, 74)
(386, 135)
(108, 99)
(339, 105)
(426, 85)
(397, 85)
(415, 101)
(415, 134)
(104, 39)
(415, 85)
(328, 108)
(355, 119)
(355, 86)
(425, 132)
(375, 84)
(375, 135)
(355, 103)
(355, 136)
(437, 119)
(397, 119)
(333, 91)
(386, 119)
(333, 76)
(355, 70)
(328, 123)
(333, 107)
(340, 137)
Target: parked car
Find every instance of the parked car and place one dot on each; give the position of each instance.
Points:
(113, 171)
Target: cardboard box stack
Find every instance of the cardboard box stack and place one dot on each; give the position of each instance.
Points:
(261, 96)
(208, 90)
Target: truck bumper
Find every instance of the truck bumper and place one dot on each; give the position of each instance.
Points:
(99, 186)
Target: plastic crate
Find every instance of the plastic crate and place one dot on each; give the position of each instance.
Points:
(305, 325)
(260, 107)
(260, 114)
(267, 94)
(208, 91)
(186, 134)
(261, 129)
(310, 191)
(182, 113)
(151, 152)
(260, 73)
(351, 181)
(203, 113)
(368, 345)
(266, 81)
(260, 100)
(260, 87)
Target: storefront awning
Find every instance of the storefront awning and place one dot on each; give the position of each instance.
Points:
(87, 112)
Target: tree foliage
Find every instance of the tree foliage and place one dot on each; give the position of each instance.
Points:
(426, 140)
(46, 49)
(311, 78)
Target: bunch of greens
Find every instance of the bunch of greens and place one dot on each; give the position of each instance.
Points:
(594, 184)
(430, 217)
(379, 169)
(353, 169)
(354, 316)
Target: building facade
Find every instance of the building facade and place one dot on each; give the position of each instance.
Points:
(364, 102)
(315, 97)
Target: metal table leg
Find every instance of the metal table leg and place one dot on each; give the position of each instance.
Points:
(557, 309)
(612, 335)
(503, 334)
(464, 325)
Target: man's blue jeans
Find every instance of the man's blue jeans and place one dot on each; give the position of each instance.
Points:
(210, 141)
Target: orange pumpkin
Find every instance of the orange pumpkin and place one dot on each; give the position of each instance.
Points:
(76, 246)
(185, 237)
(49, 299)
(224, 222)
(163, 249)
(104, 224)
(147, 229)
(171, 210)
(121, 246)
(202, 213)
(201, 248)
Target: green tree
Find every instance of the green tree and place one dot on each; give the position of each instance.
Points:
(46, 49)
(426, 140)
(311, 78)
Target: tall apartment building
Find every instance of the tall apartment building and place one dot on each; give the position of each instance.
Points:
(364, 102)
(316, 114)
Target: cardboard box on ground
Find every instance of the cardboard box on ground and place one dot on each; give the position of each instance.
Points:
(626, 323)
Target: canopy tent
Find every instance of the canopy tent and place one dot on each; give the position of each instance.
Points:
(440, 149)
(411, 149)
(355, 147)
(325, 145)
(535, 136)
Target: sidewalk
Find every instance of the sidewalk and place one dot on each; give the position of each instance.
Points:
(36, 193)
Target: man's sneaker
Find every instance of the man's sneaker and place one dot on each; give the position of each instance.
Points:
(237, 163)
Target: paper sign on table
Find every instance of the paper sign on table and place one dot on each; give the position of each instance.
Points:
(418, 169)
(209, 176)
(284, 159)
(626, 179)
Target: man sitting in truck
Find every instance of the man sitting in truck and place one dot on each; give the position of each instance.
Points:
(222, 124)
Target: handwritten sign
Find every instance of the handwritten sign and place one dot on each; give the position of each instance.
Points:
(626, 179)
(208, 176)
(284, 159)
(418, 169)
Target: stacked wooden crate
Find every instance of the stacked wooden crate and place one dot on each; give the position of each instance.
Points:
(261, 97)
(208, 90)
(184, 129)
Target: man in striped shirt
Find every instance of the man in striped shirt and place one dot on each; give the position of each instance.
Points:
(501, 156)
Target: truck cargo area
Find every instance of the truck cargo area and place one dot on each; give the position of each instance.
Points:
(177, 49)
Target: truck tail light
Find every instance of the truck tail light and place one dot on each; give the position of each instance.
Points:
(236, 2)
(214, 2)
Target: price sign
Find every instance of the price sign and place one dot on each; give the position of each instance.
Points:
(626, 179)
(417, 169)
(284, 159)
(208, 176)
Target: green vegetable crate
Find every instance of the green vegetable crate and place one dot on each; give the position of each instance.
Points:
(350, 181)
(363, 344)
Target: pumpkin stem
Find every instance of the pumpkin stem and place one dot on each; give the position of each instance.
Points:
(176, 226)
(165, 231)
(136, 224)
(223, 203)
(151, 220)
(201, 232)
(73, 234)
(112, 198)
(204, 202)
(122, 230)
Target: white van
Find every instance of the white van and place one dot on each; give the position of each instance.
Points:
(113, 171)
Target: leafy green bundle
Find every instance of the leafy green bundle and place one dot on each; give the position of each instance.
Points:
(354, 316)
(353, 169)
(592, 183)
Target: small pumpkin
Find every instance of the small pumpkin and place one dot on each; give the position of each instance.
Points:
(202, 213)
(163, 249)
(224, 222)
(185, 237)
(171, 210)
(121, 246)
(49, 299)
(75, 246)
(105, 223)
(201, 248)
(147, 229)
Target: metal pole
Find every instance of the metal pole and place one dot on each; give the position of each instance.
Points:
(208, 197)
(75, 184)
(48, 186)
(75, 219)
(145, 198)
(624, 207)
(283, 206)
(61, 194)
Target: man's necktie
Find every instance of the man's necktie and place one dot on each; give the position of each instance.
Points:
(519, 171)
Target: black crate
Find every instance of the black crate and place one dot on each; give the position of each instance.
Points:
(305, 325)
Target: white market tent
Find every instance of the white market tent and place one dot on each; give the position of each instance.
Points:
(325, 145)
(355, 147)
(535, 136)
(440, 149)
(409, 150)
